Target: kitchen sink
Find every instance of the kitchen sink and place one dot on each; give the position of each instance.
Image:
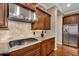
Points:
(22, 41)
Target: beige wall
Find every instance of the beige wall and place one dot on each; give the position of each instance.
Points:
(59, 29)
(17, 30)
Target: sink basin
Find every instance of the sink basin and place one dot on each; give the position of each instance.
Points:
(22, 41)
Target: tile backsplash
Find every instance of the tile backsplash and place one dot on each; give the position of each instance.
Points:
(18, 30)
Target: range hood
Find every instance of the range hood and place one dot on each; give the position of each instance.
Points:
(17, 13)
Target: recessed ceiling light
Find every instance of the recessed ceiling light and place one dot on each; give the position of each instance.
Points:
(68, 5)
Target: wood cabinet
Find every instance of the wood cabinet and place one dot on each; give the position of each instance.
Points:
(47, 22)
(47, 46)
(33, 50)
(3, 15)
(44, 48)
(31, 6)
(72, 19)
(50, 45)
(43, 20)
(40, 49)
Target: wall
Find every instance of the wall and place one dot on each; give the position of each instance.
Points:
(17, 30)
(59, 29)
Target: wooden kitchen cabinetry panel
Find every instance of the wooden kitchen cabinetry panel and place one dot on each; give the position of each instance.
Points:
(44, 48)
(47, 46)
(3, 15)
(33, 50)
(43, 20)
(47, 22)
(30, 6)
(39, 24)
(50, 45)
(72, 19)
(40, 49)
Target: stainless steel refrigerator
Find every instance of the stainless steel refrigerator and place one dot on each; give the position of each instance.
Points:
(70, 35)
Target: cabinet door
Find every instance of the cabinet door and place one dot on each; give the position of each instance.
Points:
(49, 46)
(44, 49)
(39, 24)
(3, 15)
(43, 22)
(34, 52)
(47, 22)
(53, 43)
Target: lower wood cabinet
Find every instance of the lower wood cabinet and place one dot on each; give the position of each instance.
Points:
(40, 49)
(33, 50)
(44, 48)
(47, 46)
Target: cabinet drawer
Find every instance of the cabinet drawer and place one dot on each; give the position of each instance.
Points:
(34, 52)
(25, 50)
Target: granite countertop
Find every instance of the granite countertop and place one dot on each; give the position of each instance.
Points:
(40, 39)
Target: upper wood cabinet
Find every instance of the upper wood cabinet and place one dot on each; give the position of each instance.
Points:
(31, 6)
(72, 19)
(43, 20)
(3, 15)
(47, 22)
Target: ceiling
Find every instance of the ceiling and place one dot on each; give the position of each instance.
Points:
(63, 6)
